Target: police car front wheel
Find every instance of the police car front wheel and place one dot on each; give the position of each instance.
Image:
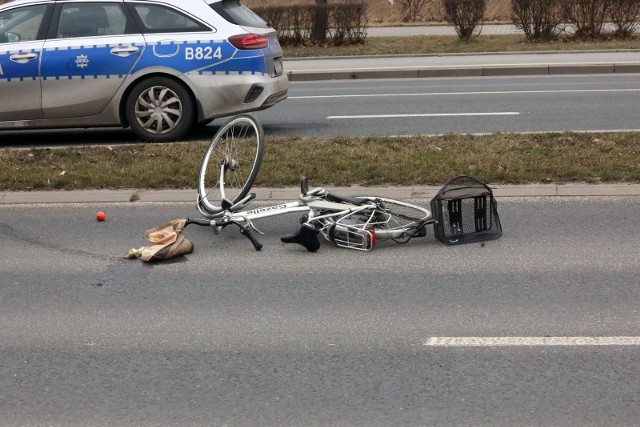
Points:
(160, 109)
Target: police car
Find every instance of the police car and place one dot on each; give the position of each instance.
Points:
(157, 66)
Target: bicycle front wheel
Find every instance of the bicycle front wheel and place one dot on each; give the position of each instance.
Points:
(231, 162)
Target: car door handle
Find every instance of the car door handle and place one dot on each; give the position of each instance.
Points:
(23, 58)
(124, 51)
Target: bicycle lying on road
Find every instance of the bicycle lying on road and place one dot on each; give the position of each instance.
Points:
(231, 164)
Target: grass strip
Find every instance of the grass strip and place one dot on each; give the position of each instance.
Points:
(416, 45)
(498, 158)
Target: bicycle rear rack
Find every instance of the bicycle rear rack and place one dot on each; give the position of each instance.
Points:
(352, 237)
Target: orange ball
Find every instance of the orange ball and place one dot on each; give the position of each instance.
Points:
(100, 216)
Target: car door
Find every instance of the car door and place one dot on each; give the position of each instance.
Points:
(20, 53)
(91, 50)
(177, 41)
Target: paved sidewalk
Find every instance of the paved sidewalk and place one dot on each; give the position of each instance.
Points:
(291, 193)
(457, 65)
(460, 65)
(447, 30)
(437, 30)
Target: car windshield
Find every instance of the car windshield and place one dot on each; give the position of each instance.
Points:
(237, 13)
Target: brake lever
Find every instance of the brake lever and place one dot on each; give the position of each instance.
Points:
(246, 230)
(254, 227)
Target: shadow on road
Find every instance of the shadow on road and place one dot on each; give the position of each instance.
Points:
(57, 138)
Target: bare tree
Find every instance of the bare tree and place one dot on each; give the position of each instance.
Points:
(465, 16)
(536, 18)
(624, 15)
(587, 16)
(410, 9)
(320, 22)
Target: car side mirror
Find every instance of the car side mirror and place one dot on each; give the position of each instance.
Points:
(12, 37)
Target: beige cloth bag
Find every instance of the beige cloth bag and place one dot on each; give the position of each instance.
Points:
(167, 241)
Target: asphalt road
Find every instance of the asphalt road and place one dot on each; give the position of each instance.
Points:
(417, 106)
(458, 105)
(229, 336)
(537, 328)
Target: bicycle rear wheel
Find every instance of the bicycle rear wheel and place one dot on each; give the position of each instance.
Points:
(390, 219)
(398, 220)
(232, 162)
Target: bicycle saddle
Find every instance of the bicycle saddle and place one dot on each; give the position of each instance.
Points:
(306, 236)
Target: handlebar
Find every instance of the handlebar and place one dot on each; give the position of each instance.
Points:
(201, 222)
(245, 229)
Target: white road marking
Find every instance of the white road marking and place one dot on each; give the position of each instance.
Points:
(395, 116)
(503, 92)
(530, 341)
(542, 132)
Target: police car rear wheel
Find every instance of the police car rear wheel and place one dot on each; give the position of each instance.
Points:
(160, 109)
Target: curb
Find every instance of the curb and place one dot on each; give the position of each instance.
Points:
(291, 193)
(454, 54)
(423, 65)
(462, 71)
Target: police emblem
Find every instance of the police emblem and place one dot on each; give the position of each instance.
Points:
(82, 61)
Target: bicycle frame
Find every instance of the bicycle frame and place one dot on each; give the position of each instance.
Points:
(352, 222)
(308, 204)
(320, 214)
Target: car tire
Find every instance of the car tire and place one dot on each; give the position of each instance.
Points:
(160, 109)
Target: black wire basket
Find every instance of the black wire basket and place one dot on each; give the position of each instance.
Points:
(465, 212)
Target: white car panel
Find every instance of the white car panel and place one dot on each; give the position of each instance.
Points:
(20, 74)
(91, 70)
(81, 76)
